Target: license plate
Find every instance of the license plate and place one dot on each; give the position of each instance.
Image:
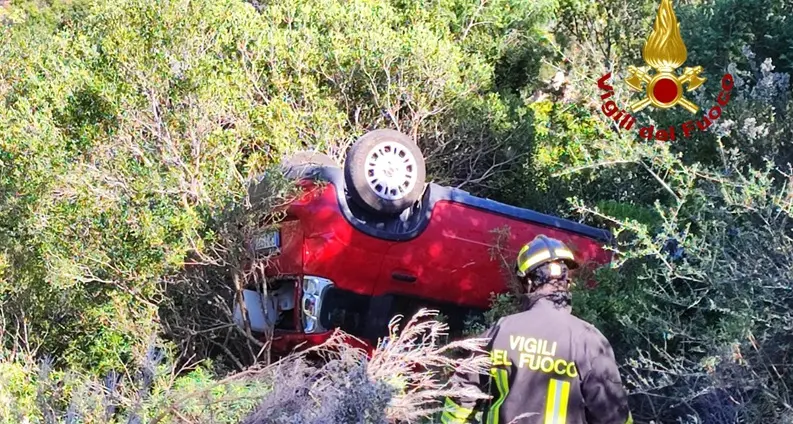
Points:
(267, 241)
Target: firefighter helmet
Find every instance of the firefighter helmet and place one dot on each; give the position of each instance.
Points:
(540, 251)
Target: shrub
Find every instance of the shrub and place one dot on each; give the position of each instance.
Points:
(696, 303)
(401, 382)
(33, 392)
(132, 128)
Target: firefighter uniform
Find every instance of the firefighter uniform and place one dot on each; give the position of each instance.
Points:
(548, 367)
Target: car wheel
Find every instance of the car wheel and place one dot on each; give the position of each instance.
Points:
(385, 171)
(295, 165)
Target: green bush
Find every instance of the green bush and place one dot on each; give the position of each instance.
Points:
(131, 128)
(694, 301)
(35, 392)
(697, 306)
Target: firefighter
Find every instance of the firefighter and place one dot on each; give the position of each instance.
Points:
(547, 366)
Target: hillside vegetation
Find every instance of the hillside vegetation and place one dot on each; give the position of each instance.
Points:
(130, 130)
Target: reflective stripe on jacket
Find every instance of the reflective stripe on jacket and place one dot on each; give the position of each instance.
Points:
(548, 367)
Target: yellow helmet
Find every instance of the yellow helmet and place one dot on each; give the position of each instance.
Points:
(542, 250)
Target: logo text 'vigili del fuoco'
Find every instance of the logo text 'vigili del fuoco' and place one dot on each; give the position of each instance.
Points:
(663, 86)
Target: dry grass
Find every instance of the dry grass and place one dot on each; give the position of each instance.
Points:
(402, 381)
(415, 360)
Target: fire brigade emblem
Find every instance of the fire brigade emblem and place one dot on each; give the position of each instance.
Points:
(664, 52)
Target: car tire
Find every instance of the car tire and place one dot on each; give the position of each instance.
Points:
(295, 165)
(385, 172)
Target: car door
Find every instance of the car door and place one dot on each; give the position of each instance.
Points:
(450, 261)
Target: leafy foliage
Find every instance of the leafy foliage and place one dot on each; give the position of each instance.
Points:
(131, 130)
(130, 127)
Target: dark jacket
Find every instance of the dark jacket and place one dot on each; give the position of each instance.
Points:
(548, 366)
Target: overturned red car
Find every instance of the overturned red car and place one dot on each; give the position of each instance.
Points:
(371, 240)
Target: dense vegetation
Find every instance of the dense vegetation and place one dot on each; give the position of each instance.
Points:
(130, 129)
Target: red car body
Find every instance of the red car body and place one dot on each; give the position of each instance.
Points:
(442, 254)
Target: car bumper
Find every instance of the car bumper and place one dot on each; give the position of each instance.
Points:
(304, 301)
